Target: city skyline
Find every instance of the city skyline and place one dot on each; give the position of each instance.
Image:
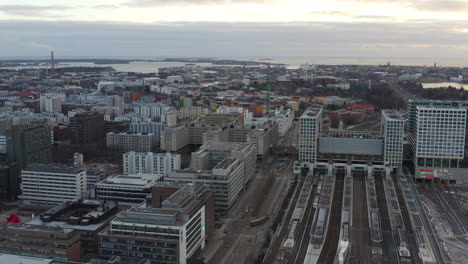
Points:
(262, 28)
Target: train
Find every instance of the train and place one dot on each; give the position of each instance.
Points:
(259, 221)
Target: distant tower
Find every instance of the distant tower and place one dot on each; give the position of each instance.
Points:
(52, 59)
(268, 93)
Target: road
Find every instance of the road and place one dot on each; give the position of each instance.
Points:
(330, 246)
(392, 82)
(390, 249)
(237, 241)
(275, 246)
(360, 233)
(433, 239)
(436, 194)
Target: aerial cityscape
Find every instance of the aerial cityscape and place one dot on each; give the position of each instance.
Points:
(190, 132)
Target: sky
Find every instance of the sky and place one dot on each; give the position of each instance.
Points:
(432, 29)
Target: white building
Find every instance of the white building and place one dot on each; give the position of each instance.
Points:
(107, 86)
(52, 184)
(175, 79)
(116, 101)
(150, 163)
(440, 140)
(393, 131)
(173, 232)
(151, 110)
(169, 117)
(149, 127)
(50, 103)
(224, 109)
(309, 130)
(125, 189)
(285, 121)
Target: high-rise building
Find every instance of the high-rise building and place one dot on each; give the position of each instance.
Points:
(150, 163)
(129, 141)
(439, 142)
(52, 184)
(151, 110)
(87, 128)
(169, 117)
(393, 131)
(171, 233)
(50, 103)
(116, 101)
(149, 127)
(309, 130)
(27, 144)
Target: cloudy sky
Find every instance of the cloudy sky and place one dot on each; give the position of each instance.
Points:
(432, 29)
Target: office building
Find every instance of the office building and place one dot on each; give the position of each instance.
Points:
(169, 117)
(175, 138)
(9, 182)
(150, 110)
(50, 103)
(171, 233)
(27, 144)
(85, 217)
(86, 128)
(52, 184)
(393, 134)
(226, 179)
(192, 112)
(125, 189)
(264, 138)
(116, 126)
(108, 112)
(412, 110)
(128, 141)
(149, 127)
(439, 143)
(55, 243)
(221, 119)
(309, 130)
(150, 163)
(116, 101)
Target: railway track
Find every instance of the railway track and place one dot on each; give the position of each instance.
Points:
(332, 238)
(390, 249)
(360, 233)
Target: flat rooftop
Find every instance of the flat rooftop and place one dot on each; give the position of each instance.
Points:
(312, 111)
(15, 259)
(392, 114)
(53, 168)
(351, 134)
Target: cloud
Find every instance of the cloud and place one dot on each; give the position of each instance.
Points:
(157, 3)
(185, 39)
(459, 6)
(33, 10)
